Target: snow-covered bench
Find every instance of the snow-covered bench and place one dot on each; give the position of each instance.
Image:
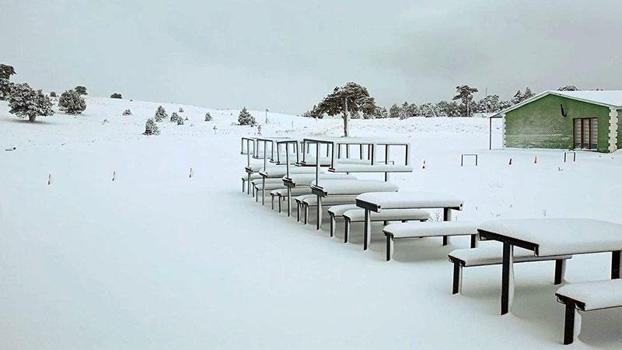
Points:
(281, 194)
(358, 215)
(493, 255)
(305, 180)
(277, 173)
(587, 296)
(380, 201)
(336, 211)
(411, 230)
(368, 168)
(306, 201)
(346, 187)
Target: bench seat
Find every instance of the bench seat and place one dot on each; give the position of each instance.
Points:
(337, 211)
(353, 186)
(306, 201)
(587, 296)
(358, 215)
(493, 255)
(281, 193)
(409, 230)
(308, 179)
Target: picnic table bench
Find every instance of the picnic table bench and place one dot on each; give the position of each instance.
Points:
(378, 201)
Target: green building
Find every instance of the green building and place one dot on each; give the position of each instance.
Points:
(565, 120)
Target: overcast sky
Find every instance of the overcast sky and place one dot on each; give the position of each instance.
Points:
(286, 55)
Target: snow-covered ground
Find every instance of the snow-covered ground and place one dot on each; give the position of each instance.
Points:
(157, 259)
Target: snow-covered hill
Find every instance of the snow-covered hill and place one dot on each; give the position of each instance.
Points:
(110, 239)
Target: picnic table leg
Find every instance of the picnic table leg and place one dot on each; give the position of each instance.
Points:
(318, 225)
(367, 230)
(446, 217)
(507, 278)
(280, 200)
(457, 281)
(390, 245)
(332, 225)
(306, 207)
(473, 241)
(248, 184)
(297, 211)
(569, 321)
(263, 190)
(615, 264)
(289, 201)
(346, 231)
(560, 267)
(272, 202)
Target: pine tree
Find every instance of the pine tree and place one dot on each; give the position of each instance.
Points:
(351, 98)
(464, 93)
(28, 103)
(71, 102)
(160, 114)
(5, 80)
(116, 95)
(180, 121)
(181, 110)
(53, 94)
(151, 128)
(127, 112)
(208, 117)
(568, 88)
(81, 90)
(245, 118)
(394, 111)
(175, 117)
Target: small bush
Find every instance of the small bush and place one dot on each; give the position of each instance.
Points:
(246, 118)
(181, 110)
(175, 117)
(116, 95)
(127, 112)
(151, 128)
(180, 121)
(53, 94)
(208, 117)
(160, 114)
(71, 102)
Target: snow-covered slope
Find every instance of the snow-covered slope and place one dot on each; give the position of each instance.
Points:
(165, 257)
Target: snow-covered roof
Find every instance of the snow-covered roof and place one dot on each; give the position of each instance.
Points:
(607, 98)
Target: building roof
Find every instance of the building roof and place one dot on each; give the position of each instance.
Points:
(607, 98)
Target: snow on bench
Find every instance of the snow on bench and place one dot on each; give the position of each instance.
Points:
(358, 215)
(307, 201)
(493, 255)
(281, 194)
(351, 186)
(337, 211)
(327, 161)
(307, 179)
(426, 229)
(587, 296)
(280, 171)
(368, 168)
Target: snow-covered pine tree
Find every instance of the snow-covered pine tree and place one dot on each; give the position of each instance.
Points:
(53, 94)
(175, 117)
(160, 114)
(208, 117)
(81, 90)
(127, 112)
(181, 110)
(28, 103)
(245, 118)
(394, 111)
(568, 88)
(151, 128)
(5, 80)
(71, 102)
(180, 121)
(116, 95)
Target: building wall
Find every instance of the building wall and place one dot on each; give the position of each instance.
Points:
(540, 124)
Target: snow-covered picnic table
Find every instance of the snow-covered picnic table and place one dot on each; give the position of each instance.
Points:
(297, 180)
(549, 237)
(377, 201)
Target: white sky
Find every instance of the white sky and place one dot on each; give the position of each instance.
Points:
(286, 55)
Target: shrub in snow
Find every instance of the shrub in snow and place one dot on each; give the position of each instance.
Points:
(246, 118)
(151, 128)
(53, 94)
(5, 89)
(81, 90)
(116, 95)
(175, 117)
(181, 110)
(208, 117)
(160, 114)
(127, 112)
(71, 102)
(180, 121)
(28, 103)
